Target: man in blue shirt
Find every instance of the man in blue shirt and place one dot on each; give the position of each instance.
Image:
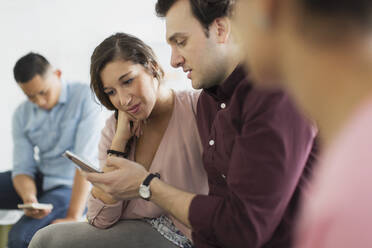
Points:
(58, 116)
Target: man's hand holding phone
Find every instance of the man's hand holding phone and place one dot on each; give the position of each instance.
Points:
(33, 209)
(98, 193)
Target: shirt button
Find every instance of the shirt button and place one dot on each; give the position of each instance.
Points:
(211, 142)
(223, 105)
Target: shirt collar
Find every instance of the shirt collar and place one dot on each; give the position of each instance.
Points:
(63, 95)
(226, 89)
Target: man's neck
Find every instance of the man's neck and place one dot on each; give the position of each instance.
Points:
(233, 60)
(59, 92)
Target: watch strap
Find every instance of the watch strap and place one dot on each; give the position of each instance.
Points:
(117, 153)
(148, 179)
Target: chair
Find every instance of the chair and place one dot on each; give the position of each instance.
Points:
(7, 219)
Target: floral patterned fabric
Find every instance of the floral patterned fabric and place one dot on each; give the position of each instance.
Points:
(165, 227)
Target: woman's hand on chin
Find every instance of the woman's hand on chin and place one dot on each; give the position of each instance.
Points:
(127, 127)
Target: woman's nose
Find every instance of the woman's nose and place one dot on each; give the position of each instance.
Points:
(125, 99)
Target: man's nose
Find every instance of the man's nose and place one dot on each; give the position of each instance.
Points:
(177, 59)
(40, 101)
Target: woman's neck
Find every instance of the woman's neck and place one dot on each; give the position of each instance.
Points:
(164, 103)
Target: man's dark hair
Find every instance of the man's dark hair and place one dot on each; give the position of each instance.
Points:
(205, 11)
(29, 66)
(357, 11)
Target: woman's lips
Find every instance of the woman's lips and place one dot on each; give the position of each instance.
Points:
(134, 109)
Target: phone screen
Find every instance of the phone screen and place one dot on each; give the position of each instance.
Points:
(81, 163)
(35, 206)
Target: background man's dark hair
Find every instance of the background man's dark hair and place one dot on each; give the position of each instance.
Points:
(205, 11)
(29, 66)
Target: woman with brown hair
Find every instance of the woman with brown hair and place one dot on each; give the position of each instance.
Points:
(153, 125)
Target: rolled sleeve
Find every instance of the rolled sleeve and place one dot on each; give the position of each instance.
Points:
(23, 151)
(102, 215)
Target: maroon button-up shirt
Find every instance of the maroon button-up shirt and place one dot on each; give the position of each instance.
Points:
(258, 152)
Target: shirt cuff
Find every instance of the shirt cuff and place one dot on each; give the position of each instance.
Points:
(103, 215)
(19, 172)
(201, 214)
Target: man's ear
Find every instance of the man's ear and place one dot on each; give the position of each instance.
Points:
(222, 28)
(58, 73)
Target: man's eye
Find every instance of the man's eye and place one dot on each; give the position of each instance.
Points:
(181, 43)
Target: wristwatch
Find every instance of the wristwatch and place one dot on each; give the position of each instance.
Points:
(144, 189)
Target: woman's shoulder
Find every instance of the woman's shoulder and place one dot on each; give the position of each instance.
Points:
(188, 99)
(110, 124)
(188, 94)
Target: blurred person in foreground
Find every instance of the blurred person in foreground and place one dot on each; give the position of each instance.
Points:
(322, 52)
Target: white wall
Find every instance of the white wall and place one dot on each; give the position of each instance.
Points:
(66, 32)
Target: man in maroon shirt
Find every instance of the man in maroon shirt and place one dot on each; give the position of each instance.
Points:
(258, 150)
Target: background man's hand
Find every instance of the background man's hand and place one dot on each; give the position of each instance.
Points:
(35, 213)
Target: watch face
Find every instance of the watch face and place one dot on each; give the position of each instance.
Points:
(144, 192)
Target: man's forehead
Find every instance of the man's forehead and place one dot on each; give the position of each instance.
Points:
(179, 10)
(179, 18)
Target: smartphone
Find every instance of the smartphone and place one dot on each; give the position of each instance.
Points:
(40, 206)
(81, 163)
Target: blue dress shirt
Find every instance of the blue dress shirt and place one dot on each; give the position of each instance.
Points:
(40, 137)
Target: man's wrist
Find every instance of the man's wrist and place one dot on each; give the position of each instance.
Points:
(145, 187)
(30, 198)
(153, 185)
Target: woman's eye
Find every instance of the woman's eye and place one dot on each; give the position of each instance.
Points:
(128, 81)
(109, 93)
